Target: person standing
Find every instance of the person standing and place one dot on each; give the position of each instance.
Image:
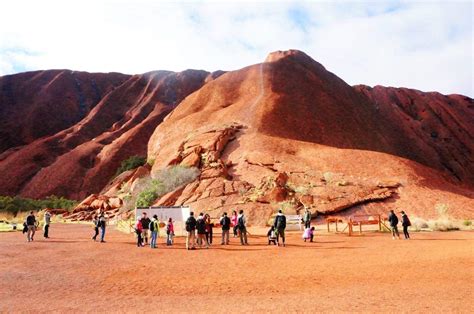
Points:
(280, 226)
(146, 225)
(201, 231)
(138, 231)
(102, 225)
(191, 232)
(307, 218)
(154, 227)
(393, 220)
(95, 221)
(234, 221)
(169, 232)
(47, 221)
(405, 224)
(242, 227)
(209, 226)
(31, 225)
(225, 224)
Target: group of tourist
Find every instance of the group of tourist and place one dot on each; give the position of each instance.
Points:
(145, 226)
(199, 231)
(31, 224)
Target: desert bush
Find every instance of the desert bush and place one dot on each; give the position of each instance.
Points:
(165, 180)
(130, 163)
(467, 222)
(419, 223)
(442, 209)
(15, 205)
(443, 224)
(172, 177)
(327, 177)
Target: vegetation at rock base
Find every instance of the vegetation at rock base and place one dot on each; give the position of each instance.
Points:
(162, 182)
(130, 163)
(14, 205)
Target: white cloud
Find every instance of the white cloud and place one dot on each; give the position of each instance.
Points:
(422, 45)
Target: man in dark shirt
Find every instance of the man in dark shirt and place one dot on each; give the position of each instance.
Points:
(146, 226)
(393, 220)
(225, 223)
(191, 232)
(280, 226)
(31, 225)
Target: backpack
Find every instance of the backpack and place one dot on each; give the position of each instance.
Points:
(201, 226)
(151, 226)
(188, 224)
(240, 223)
(225, 222)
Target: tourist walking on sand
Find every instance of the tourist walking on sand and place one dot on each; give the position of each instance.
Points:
(201, 230)
(47, 221)
(138, 231)
(154, 227)
(146, 225)
(209, 226)
(393, 220)
(242, 228)
(191, 232)
(225, 224)
(102, 225)
(95, 221)
(307, 218)
(169, 232)
(405, 224)
(280, 226)
(234, 221)
(31, 226)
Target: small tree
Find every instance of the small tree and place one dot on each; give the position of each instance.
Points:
(131, 163)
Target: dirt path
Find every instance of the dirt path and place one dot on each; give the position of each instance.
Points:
(434, 272)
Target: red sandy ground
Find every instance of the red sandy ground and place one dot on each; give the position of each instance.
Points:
(434, 272)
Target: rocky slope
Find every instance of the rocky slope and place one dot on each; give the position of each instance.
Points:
(81, 159)
(285, 133)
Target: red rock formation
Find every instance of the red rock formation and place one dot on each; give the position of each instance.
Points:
(281, 134)
(82, 159)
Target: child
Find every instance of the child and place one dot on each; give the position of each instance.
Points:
(272, 237)
(308, 234)
(169, 232)
(139, 230)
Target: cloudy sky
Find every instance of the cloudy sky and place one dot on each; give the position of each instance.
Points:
(423, 45)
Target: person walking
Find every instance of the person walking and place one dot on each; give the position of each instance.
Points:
(271, 236)
(95, 221)
(405, 224)
(209, 226)
(138, 231)
(31, 226)
(225, 224)
(169, 232)
(242, 228)
(307, 218)
(234, 221)
(154, 227)
(201, 231)
(47, 221)
(191, 232)
(393, 220)
(102, 225)
(146, 226)
(280, 226)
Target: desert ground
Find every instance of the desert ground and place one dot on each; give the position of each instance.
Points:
(433, 272)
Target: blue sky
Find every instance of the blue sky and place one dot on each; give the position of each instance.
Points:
(423, 45)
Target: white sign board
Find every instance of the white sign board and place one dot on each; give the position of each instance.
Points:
(179, 214)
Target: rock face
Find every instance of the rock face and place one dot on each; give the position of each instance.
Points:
(81, 159)
(297, 119)
(285, 133)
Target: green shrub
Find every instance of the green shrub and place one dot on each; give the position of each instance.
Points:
(14, 205)
(467, 222)
(130, 163)
(165, 180)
